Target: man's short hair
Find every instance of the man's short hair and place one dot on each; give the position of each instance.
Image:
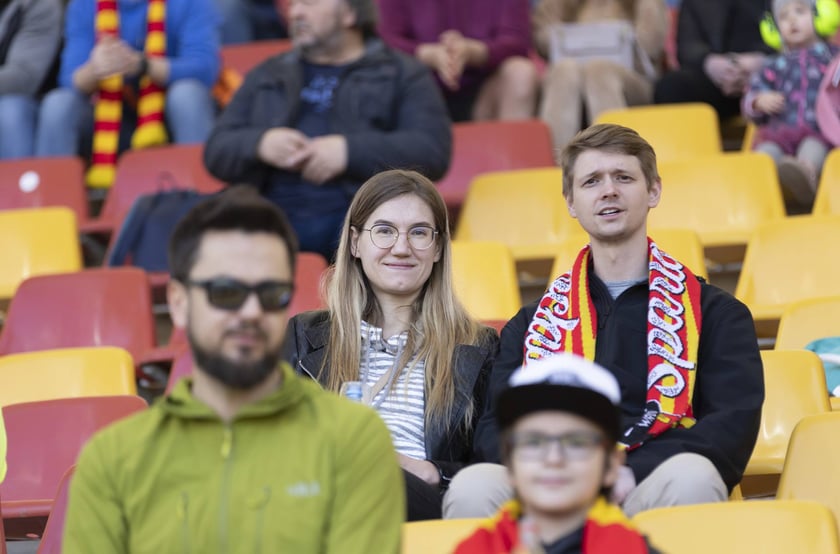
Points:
(237, 208)
(366, 16)
(609, 138)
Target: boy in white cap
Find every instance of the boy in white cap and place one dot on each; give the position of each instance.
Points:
(782, 95)
(559, 422)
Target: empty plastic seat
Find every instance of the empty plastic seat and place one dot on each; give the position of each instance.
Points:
(723, 198)
(770, 527)
(481, 147)
(789, 260)
(36, 241)
(524, 209)
(828, 193)
(95, 307)
(244, 57)
(794, 387)
(43, 182)
(54, 531)
(484, 275)
(674, 130)
(811, 463)
(44, 440)
(808, 320)
(65, 373)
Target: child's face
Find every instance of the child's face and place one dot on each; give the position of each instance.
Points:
(796, 25)
(559, 462)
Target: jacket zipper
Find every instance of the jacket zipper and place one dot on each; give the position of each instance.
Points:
(226, 451)
(260, 506)
(183, 515)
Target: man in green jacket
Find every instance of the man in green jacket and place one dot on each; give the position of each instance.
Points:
(243, 456)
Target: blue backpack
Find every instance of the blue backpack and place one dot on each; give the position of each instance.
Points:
(144, 235)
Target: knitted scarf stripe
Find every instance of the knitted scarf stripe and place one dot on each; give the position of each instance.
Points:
(566, 321)
(107, 112)
(606, 531)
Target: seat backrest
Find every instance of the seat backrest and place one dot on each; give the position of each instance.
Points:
(65, 373)
(54, 531)
(42, 182)
(769, 527)
(808, 320)
(244, 57)
(36, 241)
(723, 197)
(828, 193)
(794, 387)
(181, 367)
(95, 307)
(811, 463)
(151, 170)
(484, 275)
(531, 201)
(674, 130)
(46, 437)
(436, 535)
(768, 282)
(309, 270)
(682, 244)
(480, 147)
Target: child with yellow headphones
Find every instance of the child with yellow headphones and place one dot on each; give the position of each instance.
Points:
(782, 95)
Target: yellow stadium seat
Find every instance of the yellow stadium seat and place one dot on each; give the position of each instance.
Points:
(66, 373)
(811, 464)
(535, 213)
(436, 536)
(828, 193)
(794, 385)
(682, 244)
(749, 137)
(674, 130)
(808, 320)
(788, 260)
(722, 197)
(484, 274)
(36, 241)
(768, 527)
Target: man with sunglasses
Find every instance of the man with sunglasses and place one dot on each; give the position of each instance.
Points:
(243, 456)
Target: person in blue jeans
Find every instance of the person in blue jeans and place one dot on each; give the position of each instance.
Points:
(187, 72)
(30, 34)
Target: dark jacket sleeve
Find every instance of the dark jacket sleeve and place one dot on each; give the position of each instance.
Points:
(421, 138)
(230, 153)
(728, 396)
(490, 349)
(486, 443)
(693, 43)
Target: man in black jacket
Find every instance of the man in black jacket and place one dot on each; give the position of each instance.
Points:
(310, 126)
(718, 47)
(684, 352)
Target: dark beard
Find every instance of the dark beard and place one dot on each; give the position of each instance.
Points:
(236, 375)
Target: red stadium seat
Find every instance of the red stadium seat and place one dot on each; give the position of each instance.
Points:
(54, 531)
(480, 147)
(244, 57)
(44, 439)
(39, 182)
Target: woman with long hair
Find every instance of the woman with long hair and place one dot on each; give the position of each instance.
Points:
(394, 323)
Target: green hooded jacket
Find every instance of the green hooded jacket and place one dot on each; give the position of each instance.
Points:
(301, 471)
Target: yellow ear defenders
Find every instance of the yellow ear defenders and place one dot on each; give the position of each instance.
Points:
(826, 23)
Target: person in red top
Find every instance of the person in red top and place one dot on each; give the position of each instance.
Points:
(559, 422)
(478, 50)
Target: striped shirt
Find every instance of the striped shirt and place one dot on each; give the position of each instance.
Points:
(401, 406)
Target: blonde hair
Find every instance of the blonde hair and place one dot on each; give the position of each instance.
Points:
(440, 322)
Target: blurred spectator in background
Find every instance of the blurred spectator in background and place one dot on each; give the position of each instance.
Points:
(128, 67)
(572, 84)
(477, 48)
(249, 20)
(718, 47)
(30, 35)
(310, 126)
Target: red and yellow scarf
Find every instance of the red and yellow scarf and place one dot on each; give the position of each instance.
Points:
(107, 113)
(606, 531)
(566, 321)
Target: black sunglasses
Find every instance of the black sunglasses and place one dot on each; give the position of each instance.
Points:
(230, 294)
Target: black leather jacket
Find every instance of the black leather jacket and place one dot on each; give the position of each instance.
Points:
(449, 448)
